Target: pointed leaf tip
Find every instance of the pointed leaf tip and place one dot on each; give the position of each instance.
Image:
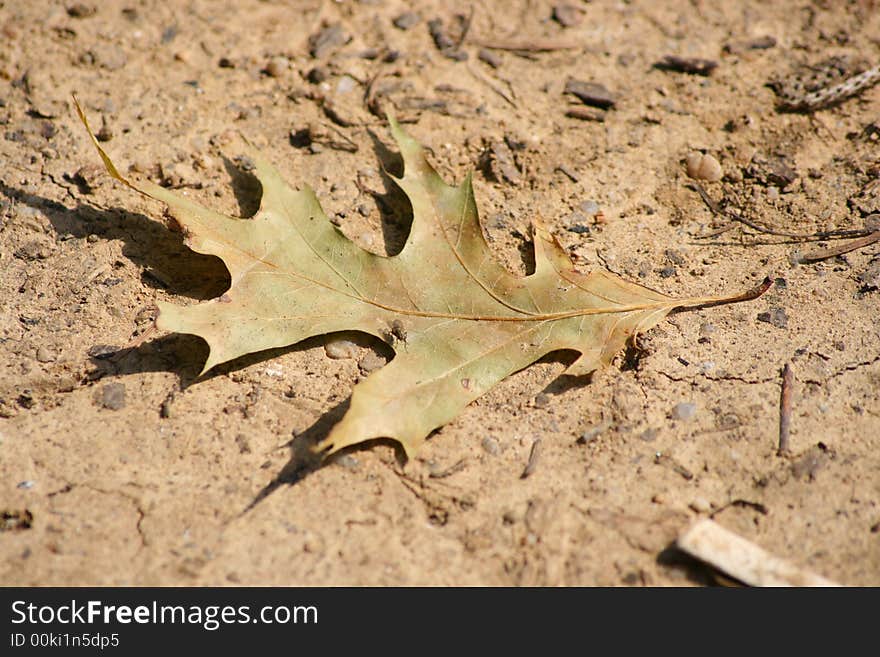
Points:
(409, 147)
(108, 163)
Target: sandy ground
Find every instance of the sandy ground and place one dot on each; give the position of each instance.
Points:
(118, 466)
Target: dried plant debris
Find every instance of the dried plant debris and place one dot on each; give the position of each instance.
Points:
(741, 559)
(468, 322)
(690, 65)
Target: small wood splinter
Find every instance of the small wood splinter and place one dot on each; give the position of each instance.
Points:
(785, 410)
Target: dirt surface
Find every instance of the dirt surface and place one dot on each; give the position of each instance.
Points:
(118, 466)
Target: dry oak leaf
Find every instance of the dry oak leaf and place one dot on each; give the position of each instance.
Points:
(469, 322)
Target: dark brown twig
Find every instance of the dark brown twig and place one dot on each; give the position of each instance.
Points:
(465, 28)
(532, 465)
(823, 254)
(785, 410)
(675, 466)
(564, 170)
(736, 218)
(451, 470)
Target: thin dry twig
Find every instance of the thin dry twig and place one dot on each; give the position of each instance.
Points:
(451, 470)
(675, 466)
(824, 254)
(527, 45)
(465, 28)
(785, 410)
(534, 454)
(564, 170)
(736, 218)
(491, 86)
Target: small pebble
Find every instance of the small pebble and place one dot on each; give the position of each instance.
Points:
(48, 130)
(112, 396)
(684, 411)
(772, 193)
(457, 55)
(702, 166)
(105, 133)
(102, 350)
(542, 400)
(649, 435)
(734, 176)
(244, 445)
(346, 83)
(590, 93)
(776, 316)
(675, 256)
(317, 75)
(406, 20)
(44, 355)
(438, 34)
(277, 67)
(327, 40)
(567, 15)
(870, 277)
(339, 349)
(589, 208)
(348, 462)
(592, 433)
(370, 362)
(491, 446)
(707, 329)
(577, 223)
(25, 485)
(700, 505)
(81, 10)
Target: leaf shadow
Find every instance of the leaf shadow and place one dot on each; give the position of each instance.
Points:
(305, 460)
(395, 208)
(695, 571)
(166, 262)
(564, 382)
(179, 353)
(246, 186)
